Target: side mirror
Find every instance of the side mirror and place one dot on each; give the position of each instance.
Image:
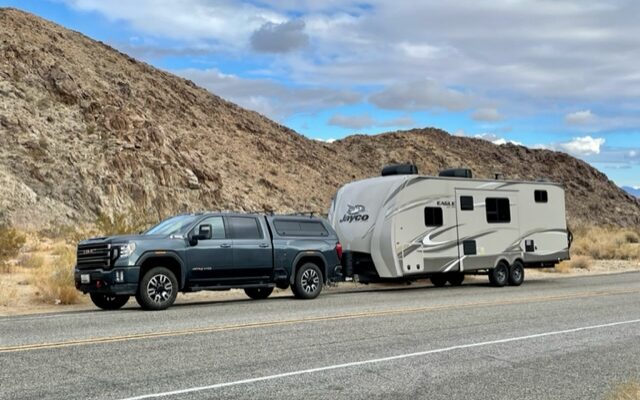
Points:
(205, 232)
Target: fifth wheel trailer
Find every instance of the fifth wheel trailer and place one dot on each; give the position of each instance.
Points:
(403, 227)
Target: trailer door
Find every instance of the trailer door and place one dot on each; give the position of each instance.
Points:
(488, 228)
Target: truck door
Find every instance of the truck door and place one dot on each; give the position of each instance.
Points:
(488, 227)
(252, 248)
(210, 259)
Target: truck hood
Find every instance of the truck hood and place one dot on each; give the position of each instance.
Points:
(122, 238)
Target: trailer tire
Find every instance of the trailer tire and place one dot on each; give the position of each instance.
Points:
(438, 280)
(516, 273)
(308, 282)
(258, 293)
(499, 276)
(109, 301)
(158, 289)
(455, 278)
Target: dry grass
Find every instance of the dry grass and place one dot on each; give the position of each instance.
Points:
(54, 279)
(602, 243)
(7, 295)
(576, 262)
(11, 241)
(629, 390)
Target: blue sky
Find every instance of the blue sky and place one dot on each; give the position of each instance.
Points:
(555, 74)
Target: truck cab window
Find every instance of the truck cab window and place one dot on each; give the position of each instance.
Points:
(245, 228)
(433, 216)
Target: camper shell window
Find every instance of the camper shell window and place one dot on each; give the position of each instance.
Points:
(498, 210)
(299, 228)
(466, 203)
(541, 196)
(433, 216)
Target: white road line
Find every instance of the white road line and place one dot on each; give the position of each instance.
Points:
(377, 360)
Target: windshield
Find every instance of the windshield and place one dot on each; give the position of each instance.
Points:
(172, 225)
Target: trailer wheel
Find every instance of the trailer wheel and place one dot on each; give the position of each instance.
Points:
(108, 301)
(438, 280)
(455, 278)
(308, 282)
(516, 273)
(499, 276)
(258, 293)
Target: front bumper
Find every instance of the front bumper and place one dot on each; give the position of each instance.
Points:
(104, 281)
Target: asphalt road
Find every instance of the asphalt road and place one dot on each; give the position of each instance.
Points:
(557, 339)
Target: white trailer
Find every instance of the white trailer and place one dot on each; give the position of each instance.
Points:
(405, 227)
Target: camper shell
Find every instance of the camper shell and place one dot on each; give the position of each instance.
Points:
(402, 227)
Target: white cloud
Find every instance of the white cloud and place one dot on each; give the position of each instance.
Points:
(330, 140)
(420, 95)
(582, 146)
(580, 117)
(487, 115)
(362, 121)
(267, 96)
(280, 38)
(495, 139)
(352, 121)
(402, 121)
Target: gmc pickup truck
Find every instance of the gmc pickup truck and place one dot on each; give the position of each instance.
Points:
(209, 251)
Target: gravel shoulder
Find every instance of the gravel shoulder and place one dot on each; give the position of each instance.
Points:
(22, 293)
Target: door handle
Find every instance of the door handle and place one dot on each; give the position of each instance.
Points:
(264, 245)
(225, 245)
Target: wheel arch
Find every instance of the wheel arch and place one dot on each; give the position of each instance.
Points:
(168, 260)
(315, 257)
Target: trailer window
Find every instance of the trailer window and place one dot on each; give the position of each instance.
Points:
(466, 203)
(498, 210)
(433, 216)
(299, 228)
(541, 196)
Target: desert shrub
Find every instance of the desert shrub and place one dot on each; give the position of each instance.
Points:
(629, 390)
(7, 295)
(604, 243)
(133, 221)
(11, 241)
(576, 262)
(54, 279)
(33, 261)
(71, 234)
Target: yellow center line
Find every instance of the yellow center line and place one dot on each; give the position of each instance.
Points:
(265, 324)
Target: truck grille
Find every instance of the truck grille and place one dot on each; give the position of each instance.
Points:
(94, 255)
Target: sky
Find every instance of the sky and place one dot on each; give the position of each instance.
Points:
(560, 75)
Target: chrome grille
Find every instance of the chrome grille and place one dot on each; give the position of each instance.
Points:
(94, 255)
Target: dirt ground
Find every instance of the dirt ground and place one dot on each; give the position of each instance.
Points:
(18, 296)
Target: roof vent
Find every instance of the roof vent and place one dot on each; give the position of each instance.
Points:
(457, 173)
(400, 169)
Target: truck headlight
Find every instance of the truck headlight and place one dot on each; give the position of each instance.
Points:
(127, 249)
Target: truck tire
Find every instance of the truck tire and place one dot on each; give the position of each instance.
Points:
(499, 276)
(259, 293)
(438, 280)
(455, 278)
(308, 281)
(516, 273)
(109, 301)
(158, 289)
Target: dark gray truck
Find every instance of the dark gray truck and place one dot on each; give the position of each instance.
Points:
(210, 251)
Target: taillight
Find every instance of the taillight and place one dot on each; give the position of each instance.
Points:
(339, 250)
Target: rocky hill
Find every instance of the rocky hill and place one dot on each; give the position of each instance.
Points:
(86, 129)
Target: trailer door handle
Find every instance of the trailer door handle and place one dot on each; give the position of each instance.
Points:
(225, 245)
